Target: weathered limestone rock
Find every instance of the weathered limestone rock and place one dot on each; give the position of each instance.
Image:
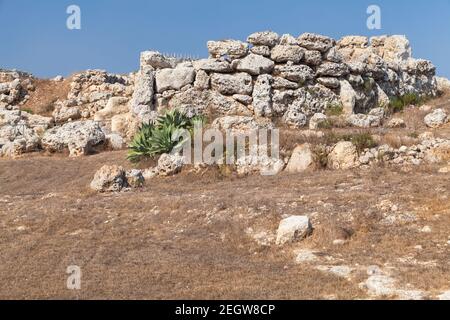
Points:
(63, 113)
(261, 50)
(287, 39)
(155, 59)
(329, 82)
(317, 121)
(314, 99)
(79, 137)
(212, 65)
(333, 55)
(241, 124)
(231, 48)
(229, 84)
(115, 106)
(294, 117)
(437, 152)
(126, 124)
(135, 178)
(109, 179)
(331, 69)
(262, 96)
(292, 229)
(21, 132)
(264, 38)
(396, 123)
(202, 80)
(353, 42)
(443, 84)
(364, 120)
(114, 141)
(255, 65)
(285, 53)
(170, 164)
(317, 42)
(302, 159)
(142, 101)
(347, 97)
(343, 156)
(312, 57)
(259, 163)
(283, 84)
(175, 79)
(208, 99)
(244, 99)
(295, 73)
(436, 119)
(392, 48)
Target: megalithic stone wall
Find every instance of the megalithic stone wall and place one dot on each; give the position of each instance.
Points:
(283, 76)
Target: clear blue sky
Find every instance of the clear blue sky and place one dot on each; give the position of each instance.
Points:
(34, 36)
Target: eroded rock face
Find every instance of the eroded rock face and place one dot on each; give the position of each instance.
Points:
(142, 101)
(317, 121)
(264, 38)
(255, 65)
(343, 156)
(364, 120)
(229, 84)
(155, 60)
(21, 132)
(79, 137)
(285, 53)
(212, 65)
(169, 164)
(231, 48)
(15, 87)
(262, 96)
(91, 90)
(295, 73)
(109, 179)
(174, 79)
(260, 163)
(302, 159)
(436, 119)
(292, 229)
(241, 124)
(317, 42)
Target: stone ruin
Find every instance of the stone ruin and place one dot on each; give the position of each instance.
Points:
(268, 77)
(283, 76)
(14, 87)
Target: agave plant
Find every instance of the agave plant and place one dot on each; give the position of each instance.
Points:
(141, 144)
(162, 137)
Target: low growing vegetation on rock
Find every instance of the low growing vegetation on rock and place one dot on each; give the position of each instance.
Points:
(398, 104)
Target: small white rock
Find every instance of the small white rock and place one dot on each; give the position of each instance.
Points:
(293, 228)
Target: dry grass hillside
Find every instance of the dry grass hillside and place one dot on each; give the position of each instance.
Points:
(206, 233)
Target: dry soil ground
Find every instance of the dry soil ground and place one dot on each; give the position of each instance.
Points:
(193, 236)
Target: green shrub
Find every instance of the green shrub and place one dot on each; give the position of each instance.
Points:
(413, 135)
(398, 104)
(155, 139)
(320, 155)
(334, 109)
(326, 124)
(362, 141)
(28, 110)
